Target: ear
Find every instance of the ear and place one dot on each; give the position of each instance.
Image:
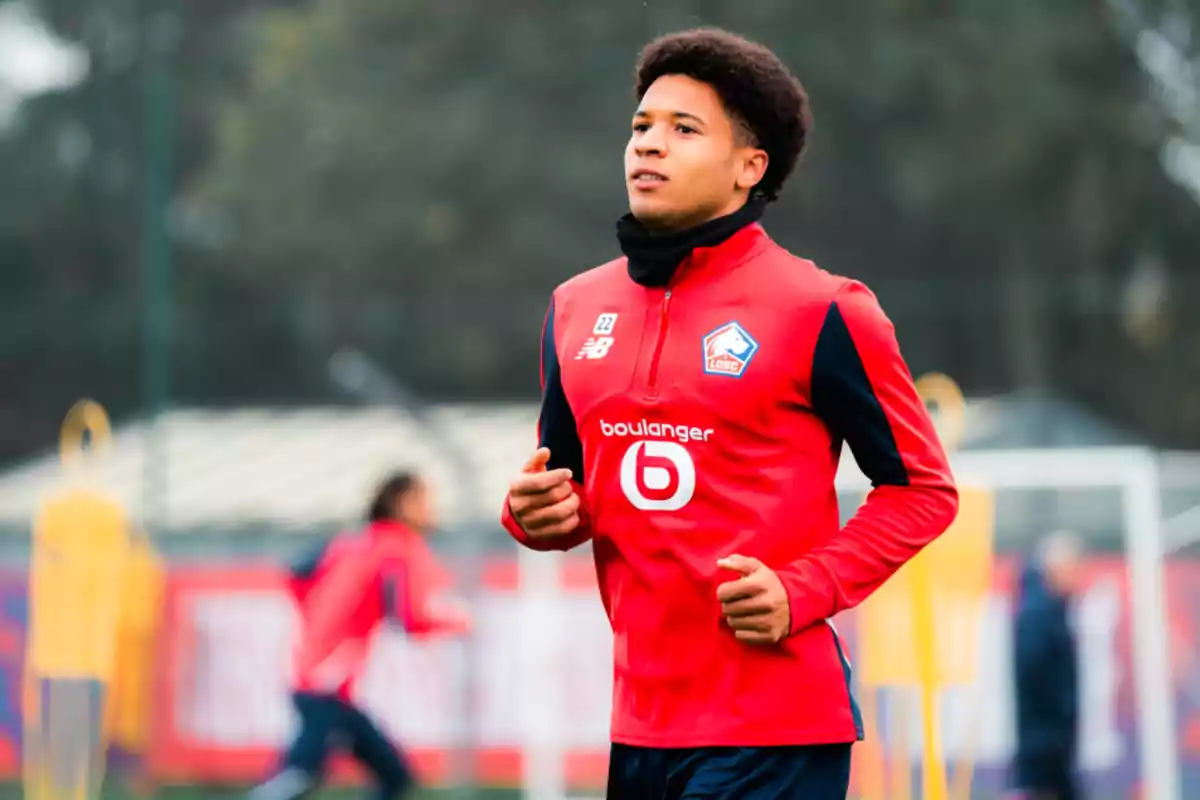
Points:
(753, 168)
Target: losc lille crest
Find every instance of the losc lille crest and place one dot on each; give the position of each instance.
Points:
(728, 350)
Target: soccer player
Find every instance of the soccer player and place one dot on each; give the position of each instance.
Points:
(345, 591)
(696, 396)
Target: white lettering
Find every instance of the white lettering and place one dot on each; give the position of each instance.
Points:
(660, 430)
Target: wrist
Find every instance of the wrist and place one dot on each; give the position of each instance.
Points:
(806, 583)
(512, 524)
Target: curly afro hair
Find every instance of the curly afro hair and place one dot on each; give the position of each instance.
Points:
(755, 87)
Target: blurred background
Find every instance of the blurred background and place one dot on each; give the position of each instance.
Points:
(291, 244)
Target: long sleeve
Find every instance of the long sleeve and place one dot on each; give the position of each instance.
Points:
(418, 594)
(863, 391)
(558, 432)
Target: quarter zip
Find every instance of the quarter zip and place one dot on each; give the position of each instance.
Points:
(658, 345)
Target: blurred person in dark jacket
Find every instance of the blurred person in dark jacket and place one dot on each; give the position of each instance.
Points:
(1046, 672)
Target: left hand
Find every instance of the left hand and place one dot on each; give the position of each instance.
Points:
(460, 623)
(452, 613)
(756, 604)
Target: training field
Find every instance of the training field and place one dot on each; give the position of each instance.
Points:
(112, 791)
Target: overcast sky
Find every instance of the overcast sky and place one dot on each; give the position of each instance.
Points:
(32, 59)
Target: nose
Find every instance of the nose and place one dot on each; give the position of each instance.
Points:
(651, 142)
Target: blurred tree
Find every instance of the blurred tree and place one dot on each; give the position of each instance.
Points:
(413, 178)
(70, 202)
(1002, 161)
(400, 177)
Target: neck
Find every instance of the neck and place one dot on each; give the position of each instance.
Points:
(655, 253)
(684, 223)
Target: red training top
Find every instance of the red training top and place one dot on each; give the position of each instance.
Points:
(706, 418)
(352, 584)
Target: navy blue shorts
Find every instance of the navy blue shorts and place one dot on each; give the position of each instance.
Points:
(809, 772)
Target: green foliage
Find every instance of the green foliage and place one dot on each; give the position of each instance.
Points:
(413, 178)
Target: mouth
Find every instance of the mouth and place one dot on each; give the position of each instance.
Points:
(646, 178)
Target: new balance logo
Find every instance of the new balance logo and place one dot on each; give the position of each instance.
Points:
(595, 347)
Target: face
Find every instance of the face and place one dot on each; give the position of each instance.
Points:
(687, 162)
(1064, 568)
(1065, 575)
(415, 508)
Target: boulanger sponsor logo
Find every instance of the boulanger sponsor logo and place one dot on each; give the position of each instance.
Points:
(657, 472)
(658, 475)
(658, 430)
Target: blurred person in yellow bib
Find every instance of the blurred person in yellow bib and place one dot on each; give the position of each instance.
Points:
(130, 696)
(77, 563)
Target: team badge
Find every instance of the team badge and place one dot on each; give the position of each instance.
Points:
(728, 350)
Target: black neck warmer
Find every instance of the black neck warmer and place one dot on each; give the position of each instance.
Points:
(653, 257)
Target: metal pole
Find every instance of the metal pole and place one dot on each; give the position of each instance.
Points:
(1182, 530)
(160, 34)
(1152, 666)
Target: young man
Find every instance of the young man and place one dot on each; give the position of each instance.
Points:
(345, 591)
(1046, 672)
(696, 395)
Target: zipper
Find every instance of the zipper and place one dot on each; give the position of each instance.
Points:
(658, 346)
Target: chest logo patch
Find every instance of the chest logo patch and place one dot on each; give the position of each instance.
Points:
(598, 344)
(605, 324)
(594, 347)
(728, 350)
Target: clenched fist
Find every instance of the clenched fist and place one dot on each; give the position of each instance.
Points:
(756, 604)
(543, 501)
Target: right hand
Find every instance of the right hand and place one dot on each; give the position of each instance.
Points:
(543, 501)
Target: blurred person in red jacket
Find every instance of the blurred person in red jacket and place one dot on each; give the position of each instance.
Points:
(697, 451)
(346, 590)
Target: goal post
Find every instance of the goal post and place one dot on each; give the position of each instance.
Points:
(1134, 473)
(542, 687)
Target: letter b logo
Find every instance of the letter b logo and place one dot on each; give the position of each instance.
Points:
(658, 476)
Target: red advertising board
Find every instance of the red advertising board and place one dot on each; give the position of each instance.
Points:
(221, 708)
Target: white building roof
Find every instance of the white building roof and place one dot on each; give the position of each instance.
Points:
(317, 466)
(294, 467)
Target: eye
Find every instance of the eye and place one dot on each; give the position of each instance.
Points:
(685, 128)
(641, 127)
